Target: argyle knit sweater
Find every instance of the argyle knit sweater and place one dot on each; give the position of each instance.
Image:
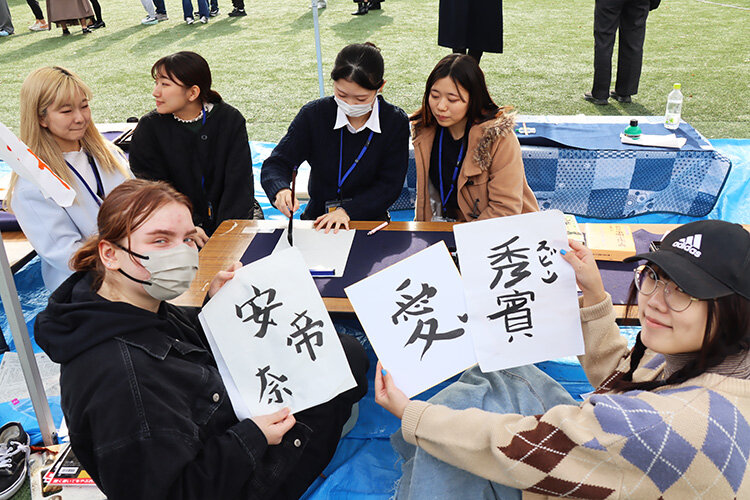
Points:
(682, 441)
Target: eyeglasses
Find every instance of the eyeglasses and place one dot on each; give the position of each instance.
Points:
(647, 281)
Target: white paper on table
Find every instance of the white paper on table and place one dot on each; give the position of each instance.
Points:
(531, 313)
(420, 296)
(321, 251)
(278, 288)
(28, 166)
(653, 140)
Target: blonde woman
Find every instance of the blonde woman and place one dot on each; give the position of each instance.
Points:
(56, 124)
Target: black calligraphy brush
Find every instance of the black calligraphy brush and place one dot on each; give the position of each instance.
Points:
(291, 209)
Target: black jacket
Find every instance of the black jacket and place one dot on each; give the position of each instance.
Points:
(149, 416)
(372, 186)
(212, 166)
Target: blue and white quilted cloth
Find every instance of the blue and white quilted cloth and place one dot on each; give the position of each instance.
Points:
(610, 180)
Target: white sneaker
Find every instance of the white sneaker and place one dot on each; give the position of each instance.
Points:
(161, 17)
(322, 4)
(203, 20)
(39, 26)
(149, 21)
(189, 20)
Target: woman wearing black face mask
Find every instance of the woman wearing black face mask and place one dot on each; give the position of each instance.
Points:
(356, 143)
(148, 413)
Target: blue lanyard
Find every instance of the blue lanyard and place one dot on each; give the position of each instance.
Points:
(99, 195)
(444, 199)
(203, 177)
(341, 158)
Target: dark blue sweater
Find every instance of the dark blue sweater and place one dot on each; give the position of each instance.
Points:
(372, 186)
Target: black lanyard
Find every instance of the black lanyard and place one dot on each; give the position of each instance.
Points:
(99, 195)
(444, 199)
(341, 158)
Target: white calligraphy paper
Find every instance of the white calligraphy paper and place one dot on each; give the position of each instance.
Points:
(414, 314)
(273, 339)
(520, 293)
(326, 254)
(28, 166)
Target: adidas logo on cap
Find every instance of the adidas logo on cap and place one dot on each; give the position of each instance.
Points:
(690, 244)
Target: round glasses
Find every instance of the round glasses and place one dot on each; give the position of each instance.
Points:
(647, 281)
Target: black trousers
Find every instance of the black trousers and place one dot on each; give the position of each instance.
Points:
(629, 18)
(34, 5)
(326, 421)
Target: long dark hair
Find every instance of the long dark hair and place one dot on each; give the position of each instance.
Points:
(188, 68)
(464, 71)
(360, 63)
(727, 332)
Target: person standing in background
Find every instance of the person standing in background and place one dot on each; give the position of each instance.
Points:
(156, 11)
(475, 26)
(6, 25)
(65, 12)
(629, 17)
(39, 24)
(363, 6)
(98, 21)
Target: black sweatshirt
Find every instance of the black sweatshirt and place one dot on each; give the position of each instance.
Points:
(149, 415)
(212, 167)
(373, 185)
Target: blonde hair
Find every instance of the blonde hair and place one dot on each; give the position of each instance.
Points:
(53, 86)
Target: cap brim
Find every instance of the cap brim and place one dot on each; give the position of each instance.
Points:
(690, 278)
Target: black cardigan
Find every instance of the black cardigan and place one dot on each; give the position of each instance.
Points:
(164, 149)
(373, 185)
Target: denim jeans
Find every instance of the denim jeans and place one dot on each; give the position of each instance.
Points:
(525, 390)
(187, 8)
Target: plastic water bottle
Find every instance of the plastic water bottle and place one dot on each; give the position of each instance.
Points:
(674, 108)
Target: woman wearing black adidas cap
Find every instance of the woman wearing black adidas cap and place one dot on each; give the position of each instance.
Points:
(669, 418)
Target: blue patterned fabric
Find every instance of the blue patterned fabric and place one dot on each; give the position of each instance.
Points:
(727, 440)
(652, 445)
(614, 184)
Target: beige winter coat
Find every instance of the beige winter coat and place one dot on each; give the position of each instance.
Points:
(492, 181)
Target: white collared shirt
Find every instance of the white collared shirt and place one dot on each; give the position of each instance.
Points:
(373, 123)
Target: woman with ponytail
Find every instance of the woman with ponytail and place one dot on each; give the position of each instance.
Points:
(196, 142)
(56, 124)
(668, 419)
(147, 410)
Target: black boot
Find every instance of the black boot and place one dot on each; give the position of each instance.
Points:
(361, 10)
(374, 5)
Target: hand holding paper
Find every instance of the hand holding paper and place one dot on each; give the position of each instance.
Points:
(29, 167)
(274, 343)
(588, 277)
(387, 394)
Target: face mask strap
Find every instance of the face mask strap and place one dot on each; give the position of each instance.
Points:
(134, 279)
(134, 255)
(131, 252)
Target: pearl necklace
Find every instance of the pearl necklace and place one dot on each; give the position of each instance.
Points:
(207, 108)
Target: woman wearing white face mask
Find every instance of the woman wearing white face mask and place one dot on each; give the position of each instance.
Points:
(356, 143)
(140, 388)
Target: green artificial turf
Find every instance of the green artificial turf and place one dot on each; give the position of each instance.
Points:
(264, 64)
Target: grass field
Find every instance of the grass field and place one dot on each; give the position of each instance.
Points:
(264, 64)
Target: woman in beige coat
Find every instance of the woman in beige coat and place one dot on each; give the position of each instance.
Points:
(468, 158)
(66, 12)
